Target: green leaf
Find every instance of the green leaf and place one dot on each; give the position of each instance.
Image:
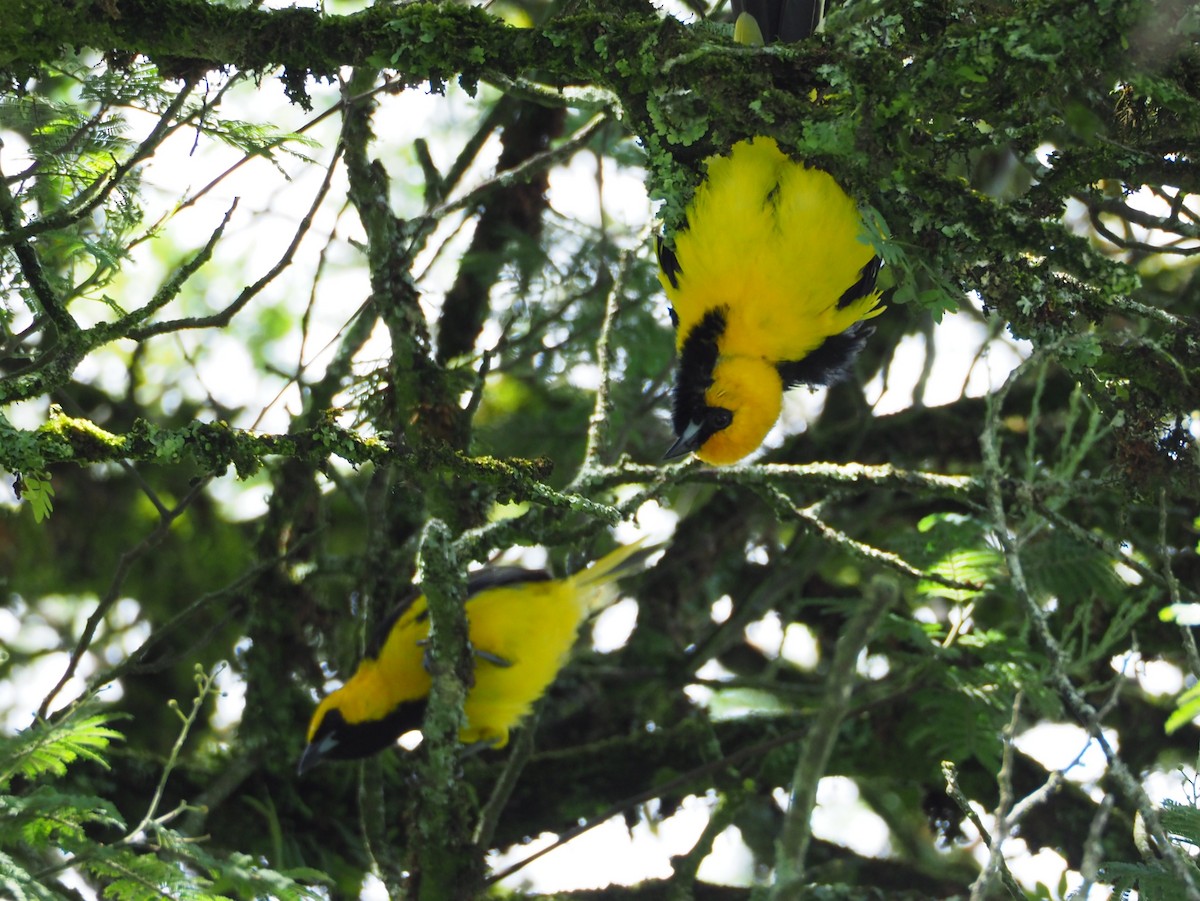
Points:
(46, 818)
(1061, 566)
(1187, 708)
(955, 547)
(18, 884)
(38, 492)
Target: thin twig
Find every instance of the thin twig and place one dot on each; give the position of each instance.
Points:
(649, 794)
(954, 790)
(1072, 697)
(864, 551)
(222, 317)
(205, 683)
(521, 173)
(1185, 632)
(124, 566)
(605, 352)
(792, 846)
(1093, 848)
(522, 751)
(996, 864)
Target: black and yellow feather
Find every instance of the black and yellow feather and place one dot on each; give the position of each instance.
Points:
(522, 625)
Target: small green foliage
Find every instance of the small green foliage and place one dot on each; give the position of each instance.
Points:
(1154, 878)
(1081, 353)
(681, 119)
(37, 490)
(962, 712)
(147, 862)
(49, 748)
(956, 547)
(916, 281)
(1187, 709)
(46, 817)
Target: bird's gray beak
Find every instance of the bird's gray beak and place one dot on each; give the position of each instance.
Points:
(315, 753)
(685, 443)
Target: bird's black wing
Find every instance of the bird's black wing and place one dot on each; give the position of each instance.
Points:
(830, 362)
(865, 284)
(667, 261)
(501, 577)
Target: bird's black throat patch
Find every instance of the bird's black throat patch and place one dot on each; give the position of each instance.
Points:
(355, 740)
(697, 360)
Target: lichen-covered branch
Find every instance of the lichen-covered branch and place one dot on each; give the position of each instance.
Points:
(215, 446)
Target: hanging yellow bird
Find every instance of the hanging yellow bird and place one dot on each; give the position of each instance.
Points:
(770, 283)
(521, 624)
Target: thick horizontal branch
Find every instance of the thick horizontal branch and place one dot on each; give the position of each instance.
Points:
(632, 49)
(432, 42)
(215, 446)
(818, 477)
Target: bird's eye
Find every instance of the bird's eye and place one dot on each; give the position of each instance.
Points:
(720, 418)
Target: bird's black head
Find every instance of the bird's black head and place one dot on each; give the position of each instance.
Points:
(697, 431)
(333, 738)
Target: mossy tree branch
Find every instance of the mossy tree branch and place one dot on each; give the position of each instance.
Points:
(886, 120)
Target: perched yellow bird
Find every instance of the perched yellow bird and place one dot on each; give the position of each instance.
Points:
(770, 283)
(522, 625)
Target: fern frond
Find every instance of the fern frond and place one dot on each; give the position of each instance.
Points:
(52, 747)
(1154, 881)
(19, 884)
(47, 818)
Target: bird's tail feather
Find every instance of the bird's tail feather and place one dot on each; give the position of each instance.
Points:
(596, 585)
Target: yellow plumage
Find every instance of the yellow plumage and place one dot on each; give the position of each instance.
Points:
(769, 267)
(746, 31)
(522, 626)
(777, 243)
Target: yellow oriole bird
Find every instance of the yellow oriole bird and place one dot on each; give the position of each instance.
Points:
(769, 285)
(521, 624)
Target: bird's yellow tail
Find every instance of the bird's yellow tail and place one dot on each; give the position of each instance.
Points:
(595, 587)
